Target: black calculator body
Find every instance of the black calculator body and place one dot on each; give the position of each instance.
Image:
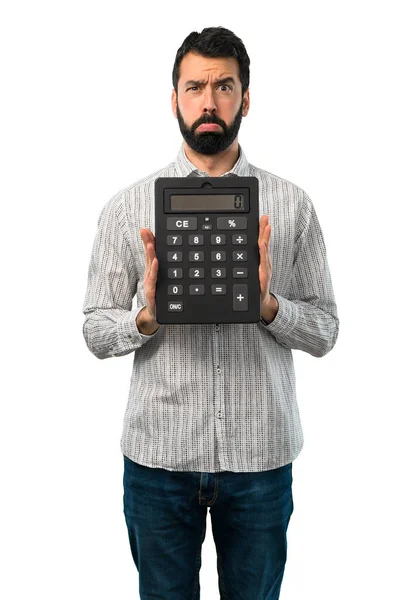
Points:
(206, 238)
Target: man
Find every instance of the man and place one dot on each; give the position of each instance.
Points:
(212, 418)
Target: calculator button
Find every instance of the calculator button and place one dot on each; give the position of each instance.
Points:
(196, 256)
(175, 290)
(218, 240)
(239, 238)
(239, 255)
(240, 272)
(176, 223)
(231, 222)
(196, 240)
(175, 257)
(217, 273)
(175, 273)
(218, 290)
(196, 273)
(196, 290)
(175, 306)
(218, 255)
(240, 296)
(174, 240)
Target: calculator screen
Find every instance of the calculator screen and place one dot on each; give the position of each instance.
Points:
(208, 202)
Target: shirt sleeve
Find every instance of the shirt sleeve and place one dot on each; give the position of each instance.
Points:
(307, 319)
(110, 326)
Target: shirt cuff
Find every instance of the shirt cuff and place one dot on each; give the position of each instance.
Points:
(128, 330)
(285, 318)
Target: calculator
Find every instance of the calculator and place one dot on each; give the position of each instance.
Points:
(206, 243)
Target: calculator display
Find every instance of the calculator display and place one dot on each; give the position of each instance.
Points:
(208, 202)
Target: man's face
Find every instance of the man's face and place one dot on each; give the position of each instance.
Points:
(209, 91)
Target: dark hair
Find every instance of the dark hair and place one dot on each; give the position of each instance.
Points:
(214, 42)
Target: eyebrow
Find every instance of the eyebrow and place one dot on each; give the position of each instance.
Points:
(200, 82)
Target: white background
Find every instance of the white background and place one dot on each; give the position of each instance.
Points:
(86, 112)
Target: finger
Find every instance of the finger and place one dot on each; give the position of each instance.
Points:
(154, 248)
(267, 235)
(263, 223)
(261, 243)
(148, 256)
(151, 251)
(154, 268)
(261, 226)
(147, 236)
(262, 258)
(150, 236)
(149, 272)
(262, 271)
(143, 235)
(153, 273)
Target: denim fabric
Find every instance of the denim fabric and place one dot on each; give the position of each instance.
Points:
(166, 512)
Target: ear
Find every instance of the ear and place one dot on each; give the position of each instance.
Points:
(174, 103)
(246, 103)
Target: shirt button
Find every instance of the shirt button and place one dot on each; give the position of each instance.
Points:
(217, 327)
(219, 414)
(218, 370)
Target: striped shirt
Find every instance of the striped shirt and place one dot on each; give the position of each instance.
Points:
(212, 397)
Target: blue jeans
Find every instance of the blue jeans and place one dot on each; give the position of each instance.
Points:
(166, 511)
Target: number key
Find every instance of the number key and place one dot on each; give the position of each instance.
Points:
(218, 239)
(175, 257)
(196, 256)
(174, 240)
(196, 240)
(217, 273)
(175, 290)
(196, 273)
(175, 273)
(218, 255)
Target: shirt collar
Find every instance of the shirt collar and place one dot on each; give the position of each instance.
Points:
(185, 168)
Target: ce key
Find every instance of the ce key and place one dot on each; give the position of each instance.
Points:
(179, 223)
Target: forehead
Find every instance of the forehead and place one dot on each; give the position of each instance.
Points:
(194, 66)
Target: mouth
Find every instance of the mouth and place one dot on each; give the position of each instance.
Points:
(208, 127)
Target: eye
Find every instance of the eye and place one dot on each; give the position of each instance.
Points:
(223, 85)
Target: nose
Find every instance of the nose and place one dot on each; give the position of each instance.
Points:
(209, 104)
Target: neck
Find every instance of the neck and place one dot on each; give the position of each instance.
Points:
(216, 164)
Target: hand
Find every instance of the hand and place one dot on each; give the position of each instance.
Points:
(150, 275)
(265, 268)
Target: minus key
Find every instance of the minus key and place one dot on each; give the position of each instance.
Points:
(239, 272)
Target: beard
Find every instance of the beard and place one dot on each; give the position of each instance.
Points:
(210, 142)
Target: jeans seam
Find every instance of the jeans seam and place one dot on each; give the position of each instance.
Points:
(221, 573)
